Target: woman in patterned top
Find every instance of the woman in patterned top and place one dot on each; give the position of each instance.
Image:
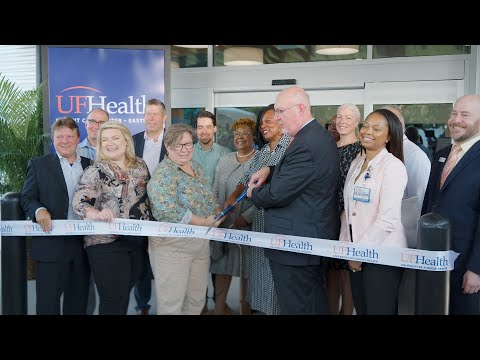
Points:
(180, 193)
(114, 187)
(225, 257)
(261, 290)
(338, 277)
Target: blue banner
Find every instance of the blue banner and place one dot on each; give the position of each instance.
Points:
(119, 81)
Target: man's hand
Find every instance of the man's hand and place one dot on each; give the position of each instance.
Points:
(44, 220)
(471, 282)
(259, 178)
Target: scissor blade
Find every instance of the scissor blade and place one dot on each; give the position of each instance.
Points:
(211, 225)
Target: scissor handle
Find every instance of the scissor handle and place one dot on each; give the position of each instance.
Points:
(241, 196)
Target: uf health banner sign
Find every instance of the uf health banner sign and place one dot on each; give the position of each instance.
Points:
(119, 81)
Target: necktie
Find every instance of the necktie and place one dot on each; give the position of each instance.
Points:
(450, 164)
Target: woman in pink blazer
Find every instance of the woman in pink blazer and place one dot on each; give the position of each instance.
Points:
(373, 194)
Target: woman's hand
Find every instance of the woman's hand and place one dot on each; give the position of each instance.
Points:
(355, 265)
(96, 215)
(211, 218)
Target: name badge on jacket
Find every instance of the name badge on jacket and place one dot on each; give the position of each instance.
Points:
(442, 159)
(361, 193)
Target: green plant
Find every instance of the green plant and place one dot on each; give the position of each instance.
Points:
(21, 132)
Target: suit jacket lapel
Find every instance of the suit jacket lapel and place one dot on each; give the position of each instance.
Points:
(299, 135)
(163, 151)
(139, 145)
(56, 172)
(86, 162)
(464, 161)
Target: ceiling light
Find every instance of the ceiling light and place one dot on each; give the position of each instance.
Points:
(234, 56)
(336, 49)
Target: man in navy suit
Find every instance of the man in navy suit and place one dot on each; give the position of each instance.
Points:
(454, 192)
(150, 147)
(299, 199)
(62, 265)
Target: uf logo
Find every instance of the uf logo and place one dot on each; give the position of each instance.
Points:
(218, 234)
(164, 229)
(409, 257)
(277, 240)
(340, 249)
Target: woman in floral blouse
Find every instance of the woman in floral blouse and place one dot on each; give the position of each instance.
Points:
(114, 187)
(180, 193)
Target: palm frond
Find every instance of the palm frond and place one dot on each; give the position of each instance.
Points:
(21, 132)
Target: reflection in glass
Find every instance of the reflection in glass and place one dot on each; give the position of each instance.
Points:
(189, 57)
(274, 54)
(430, 119)
(226, 116)
(384, 51)
(185, 115)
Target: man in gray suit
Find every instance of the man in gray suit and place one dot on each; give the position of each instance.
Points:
(299, 199)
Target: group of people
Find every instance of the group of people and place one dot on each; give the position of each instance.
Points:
(300, 180)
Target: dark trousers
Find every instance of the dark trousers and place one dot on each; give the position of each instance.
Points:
(375, 289)
(460, 303)
(116, 267)
(143, 286)
(68, 278)
(92, 297)
(300, 289)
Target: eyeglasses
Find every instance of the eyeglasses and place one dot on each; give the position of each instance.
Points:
(179, 147)
(281, 111)
(242, 135)
(95, 122)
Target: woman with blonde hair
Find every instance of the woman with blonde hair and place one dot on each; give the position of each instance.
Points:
(114, 187)
(338, 278)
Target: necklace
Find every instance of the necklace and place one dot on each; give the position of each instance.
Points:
(242, 156)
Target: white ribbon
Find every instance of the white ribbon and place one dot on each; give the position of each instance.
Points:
(393, 256)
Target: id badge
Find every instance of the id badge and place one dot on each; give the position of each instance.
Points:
(361, 193)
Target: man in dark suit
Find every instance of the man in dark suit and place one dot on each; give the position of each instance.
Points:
(150, 147)
(454, 192)
(299, 199)
(62, 265)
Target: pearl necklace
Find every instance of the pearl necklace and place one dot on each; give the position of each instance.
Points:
(242, 156)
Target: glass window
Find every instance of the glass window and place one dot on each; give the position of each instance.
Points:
(187, 57)
(430, 119)
(384, 51)
(274, 54)
(226, 116)
(324, 113)
(185, 115)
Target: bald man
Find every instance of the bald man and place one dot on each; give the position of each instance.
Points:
(418, 170)
(299, 198)
(454, 192)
